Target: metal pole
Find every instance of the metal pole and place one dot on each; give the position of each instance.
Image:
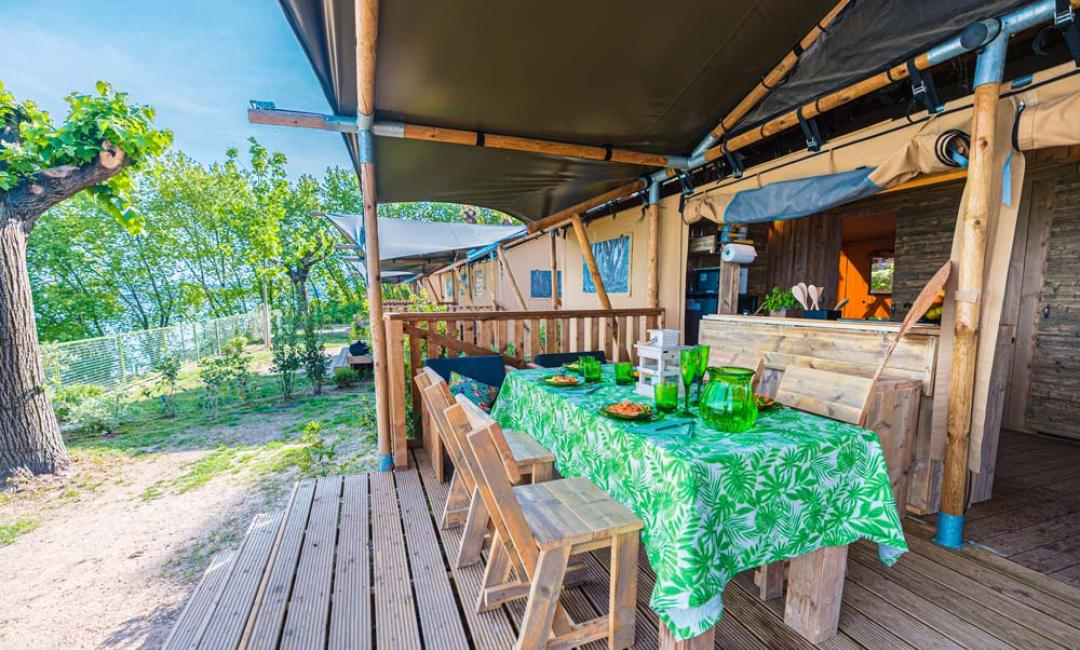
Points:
(983, 179)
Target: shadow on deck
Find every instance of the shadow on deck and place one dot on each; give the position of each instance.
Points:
(359, 562)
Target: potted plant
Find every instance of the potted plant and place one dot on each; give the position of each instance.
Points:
(778, 301)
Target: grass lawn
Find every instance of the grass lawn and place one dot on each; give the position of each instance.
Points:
(150, 499)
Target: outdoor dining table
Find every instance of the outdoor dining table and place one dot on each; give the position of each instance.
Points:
(715, 504)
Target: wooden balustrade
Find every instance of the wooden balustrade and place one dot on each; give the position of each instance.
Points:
(517, 335)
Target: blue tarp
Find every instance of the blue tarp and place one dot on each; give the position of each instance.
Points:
(800, 197)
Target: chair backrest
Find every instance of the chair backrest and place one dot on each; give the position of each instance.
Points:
(832, 394)
(479, 419)
(739, 359)
(488, 368)
(506, 514)
(437, 398)
(556, 359)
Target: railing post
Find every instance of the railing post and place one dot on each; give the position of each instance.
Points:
(395, 366)
(120, 357)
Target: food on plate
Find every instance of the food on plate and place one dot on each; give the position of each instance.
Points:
(628, 409)
(572, 367)
(764, 402)
(562, 380)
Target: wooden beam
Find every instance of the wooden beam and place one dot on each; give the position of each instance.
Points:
(978, 206)
(555, 300)
(510, 276)
(778, 73)
(590, 261)
(575, 211)
(367, 35)
(307, 120)
(653, 291)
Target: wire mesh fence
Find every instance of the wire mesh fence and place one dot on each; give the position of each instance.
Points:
(114, 361)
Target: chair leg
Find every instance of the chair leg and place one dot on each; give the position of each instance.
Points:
(547, 582)
(472, 539)
(496, 588)
(457, 504)
(623, 594)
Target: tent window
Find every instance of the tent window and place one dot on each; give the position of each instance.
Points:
(540, 283)
(881, 273)
(613, 259)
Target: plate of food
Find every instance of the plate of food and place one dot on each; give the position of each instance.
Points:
(765, 403)
(572, 367)
(561, 381)
(628, 410)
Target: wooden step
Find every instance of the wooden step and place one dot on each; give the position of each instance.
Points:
(192, 621)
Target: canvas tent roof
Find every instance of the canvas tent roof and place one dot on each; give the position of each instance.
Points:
(409, 247)
(594, 73)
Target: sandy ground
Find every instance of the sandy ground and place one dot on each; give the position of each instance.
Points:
(110, 569)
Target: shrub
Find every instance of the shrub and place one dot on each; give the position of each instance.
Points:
(69, 399)
(345, 377)
(314, 356)
(317, 456)
(168, 369)
(103, 414)
(216, 375)
(239, 363)
(285, 354)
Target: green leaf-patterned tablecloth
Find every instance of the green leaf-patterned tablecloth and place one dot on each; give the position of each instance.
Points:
(714, 504)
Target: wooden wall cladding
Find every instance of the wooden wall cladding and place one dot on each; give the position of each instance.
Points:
(1053, 404)
(805, 250)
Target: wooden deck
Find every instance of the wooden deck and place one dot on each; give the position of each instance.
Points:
(1033, 517)
(359, 562)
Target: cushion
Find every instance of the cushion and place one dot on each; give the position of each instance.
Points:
(481, 394)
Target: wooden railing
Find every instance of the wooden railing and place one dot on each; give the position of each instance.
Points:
(517, 335)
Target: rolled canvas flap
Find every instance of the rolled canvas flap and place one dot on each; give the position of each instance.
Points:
(799, 197)
(1051, 123)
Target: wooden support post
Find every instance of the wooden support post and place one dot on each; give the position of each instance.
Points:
(505, 263)
(556, 301)
(395, 383)
(654, 254)
(594, 272)
(728, 296)
(703, 641)
(983, 183)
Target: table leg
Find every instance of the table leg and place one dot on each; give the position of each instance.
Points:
(815, 588)
(770, 580)
(703, 641)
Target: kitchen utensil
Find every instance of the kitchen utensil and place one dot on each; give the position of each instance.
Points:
(840, 305)
(814, 295)
(799, 291)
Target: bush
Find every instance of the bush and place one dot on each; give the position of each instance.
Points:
(345, 377)
(68, 399)
(286, 355)
(317, 456)
(168, 369)
(216, 375)
(314, 356)
(103, 414)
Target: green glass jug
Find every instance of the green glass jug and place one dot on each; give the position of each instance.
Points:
(728, 401)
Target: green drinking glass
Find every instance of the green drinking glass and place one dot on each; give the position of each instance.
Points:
(688, 362)
(624, 373)
(702, 366)
(590, 368)
(666, 394)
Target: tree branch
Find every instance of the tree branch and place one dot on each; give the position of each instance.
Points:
(35, 194)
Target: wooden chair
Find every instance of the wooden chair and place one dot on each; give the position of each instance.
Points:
(520, 455)
(537, 528)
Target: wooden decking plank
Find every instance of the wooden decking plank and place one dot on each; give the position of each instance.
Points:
(1003, 627)
(924, 610)
(227, 623)
(993, 600)
(309, 605)
(188, 627)
(269, 613)
(395, 610)
(350, 616)
(440, 624)
(854, 625)
(1028, 537)
(489, 630)
(576, 605)
(891, 617)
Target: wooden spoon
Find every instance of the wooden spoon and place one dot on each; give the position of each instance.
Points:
(840, 305)
(799, 291)
(814, 295)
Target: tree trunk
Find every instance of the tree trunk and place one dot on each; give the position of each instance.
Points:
(29, 433)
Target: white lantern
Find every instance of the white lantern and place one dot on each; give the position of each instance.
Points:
(658, 360)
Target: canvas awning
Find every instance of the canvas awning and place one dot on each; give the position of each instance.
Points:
(408, 248)
(593, 73)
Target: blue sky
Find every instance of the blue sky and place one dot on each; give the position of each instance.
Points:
(198, 62)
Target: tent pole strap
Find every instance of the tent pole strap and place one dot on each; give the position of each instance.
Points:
(982, 182)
